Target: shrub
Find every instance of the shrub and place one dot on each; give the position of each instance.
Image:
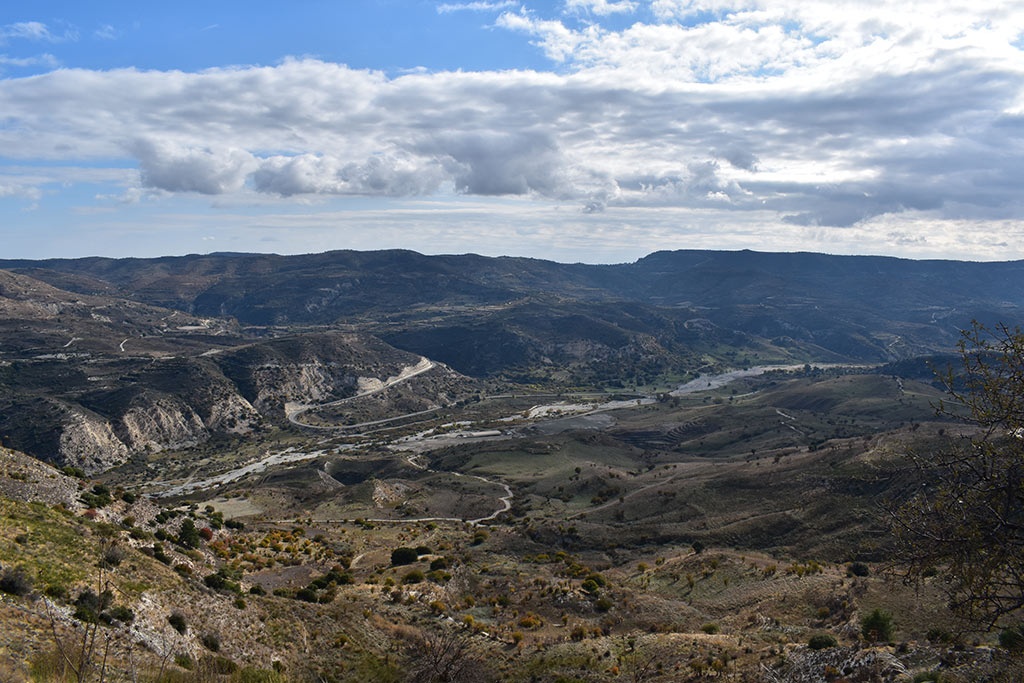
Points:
(253, 675)
(89, 607)
(98, 497)
(926, 676)
(877, 626)
(119, 613)
(403, 555)
(15, 581)
(112, 557)
(1012, 638)
(219, 666)
(821, 641)
(590, 586)
(415, 576)
(257, 590)
(698, 547)
(422, 550)
(479, 537)
(159, 554)
(211, 642)
(306, 594)
(439, 563)
(184, 661)
(57, 591)
(857, 569)
(215, 581)
(710, 629)
(177, 622)
(206, 534)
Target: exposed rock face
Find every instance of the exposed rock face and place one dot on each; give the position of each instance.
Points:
(89, 443)
(278, 383)
(232, 414)
(309, 368)
(161, 422)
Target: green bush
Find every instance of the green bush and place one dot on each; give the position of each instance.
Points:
(821, 641)
(177, 622)
(857, 569)
(219, 666)
(15, 581)
(253, 675)
(415, 576)
(89, 607)
(877, 626)
(928, 677)
(119, 613)
(211, 642)
(403, 555)
(215, 581)
(710, 629)
(306, 594)
(1012, 638)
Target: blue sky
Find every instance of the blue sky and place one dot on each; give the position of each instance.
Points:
(579, 130)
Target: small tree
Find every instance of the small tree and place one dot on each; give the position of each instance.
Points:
(877, 626)
(965, 521)
(188, 534)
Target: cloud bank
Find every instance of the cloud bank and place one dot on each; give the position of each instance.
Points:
(816, 113)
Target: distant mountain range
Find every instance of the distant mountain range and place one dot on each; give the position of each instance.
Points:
(859, 307)
(100, 358)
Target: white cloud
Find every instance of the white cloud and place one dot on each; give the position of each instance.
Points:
(106, 32)
(601, 7)
(206, 170)
(44, 59)
(795, 110)
(35, 30)
(478, 6)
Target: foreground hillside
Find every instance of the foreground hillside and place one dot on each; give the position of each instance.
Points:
(709, 534)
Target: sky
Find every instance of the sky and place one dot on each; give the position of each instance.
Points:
(574, 130)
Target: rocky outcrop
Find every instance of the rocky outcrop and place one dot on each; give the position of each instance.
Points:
(312, 382)
(158, 422)
(232, 414)
(89, 443)
(310, 368)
